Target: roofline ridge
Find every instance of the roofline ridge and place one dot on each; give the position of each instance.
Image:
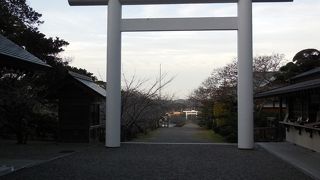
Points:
(80, 76)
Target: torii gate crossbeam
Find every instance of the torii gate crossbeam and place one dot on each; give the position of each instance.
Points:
(144, 2)
(116, 25)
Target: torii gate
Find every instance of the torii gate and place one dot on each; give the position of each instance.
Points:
(116, 25)
(192, 112)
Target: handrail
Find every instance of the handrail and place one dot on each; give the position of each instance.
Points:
(308, 127)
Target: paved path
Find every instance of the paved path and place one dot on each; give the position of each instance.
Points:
(302, 158)
(164, 161)
(138, 162)
(189, 133)
(15, 157)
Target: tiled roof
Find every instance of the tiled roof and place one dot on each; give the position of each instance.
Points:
(10, 49)
(307, 73)
(315, 83)
(88, 82)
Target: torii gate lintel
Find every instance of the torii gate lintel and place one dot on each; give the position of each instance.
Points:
(116, 25)
(155, 2)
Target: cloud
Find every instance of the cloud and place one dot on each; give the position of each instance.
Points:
(190, 56)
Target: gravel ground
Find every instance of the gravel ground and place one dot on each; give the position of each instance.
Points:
(19, 156)
(143, 161)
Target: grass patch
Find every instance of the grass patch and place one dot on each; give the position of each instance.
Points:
(145, 136)
(211, 135)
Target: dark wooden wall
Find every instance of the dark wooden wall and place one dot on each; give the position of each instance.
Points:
(74, 113)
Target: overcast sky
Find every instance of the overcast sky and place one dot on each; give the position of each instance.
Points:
(188, 56)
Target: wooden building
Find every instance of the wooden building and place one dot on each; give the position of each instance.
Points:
(81, 109)
(16, 57)
(302, 116)
(81, 101)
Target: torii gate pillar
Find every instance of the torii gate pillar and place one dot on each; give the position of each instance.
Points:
(113, 100)
(245, 73)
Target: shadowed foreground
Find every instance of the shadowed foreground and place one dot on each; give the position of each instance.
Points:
(145, 161)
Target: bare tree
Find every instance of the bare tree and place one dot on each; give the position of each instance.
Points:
(265, 69)
(141, 107)
(219, 90)
(225, 78)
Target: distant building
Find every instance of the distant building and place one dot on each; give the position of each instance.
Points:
(81, 109)
(302, 116)
(176, 113)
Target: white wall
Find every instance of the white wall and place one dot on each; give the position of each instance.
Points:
(304, 139)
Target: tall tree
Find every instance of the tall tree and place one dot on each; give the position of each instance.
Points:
(19, 22)
(304, 60)
(18, 101)
(21, 92)
(217, 94)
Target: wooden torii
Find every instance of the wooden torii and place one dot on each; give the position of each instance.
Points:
(242, 23)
